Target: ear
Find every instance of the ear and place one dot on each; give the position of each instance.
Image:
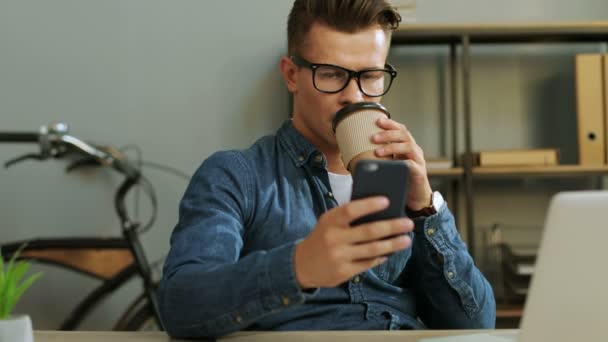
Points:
(289, 72)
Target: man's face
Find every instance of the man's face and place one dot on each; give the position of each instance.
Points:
(314, 110)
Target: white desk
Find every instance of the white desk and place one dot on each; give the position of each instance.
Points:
(316, 336)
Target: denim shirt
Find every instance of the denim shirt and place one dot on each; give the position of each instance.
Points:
(231, 262)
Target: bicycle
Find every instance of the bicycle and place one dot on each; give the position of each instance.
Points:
(113, 260)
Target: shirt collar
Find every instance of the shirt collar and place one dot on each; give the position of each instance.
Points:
(298, 148)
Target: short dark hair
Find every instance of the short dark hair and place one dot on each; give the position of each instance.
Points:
(343, 15)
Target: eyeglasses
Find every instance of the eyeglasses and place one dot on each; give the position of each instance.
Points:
(331, 79)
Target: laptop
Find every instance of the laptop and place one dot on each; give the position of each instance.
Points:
(568, 297)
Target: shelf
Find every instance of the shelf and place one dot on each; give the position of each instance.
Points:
(509, 311)
(420, 34)
(460, 39)
(540, 171)
(522, 171)
(451, 172)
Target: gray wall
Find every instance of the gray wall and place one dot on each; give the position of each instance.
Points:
(487, 11)
(182, 79)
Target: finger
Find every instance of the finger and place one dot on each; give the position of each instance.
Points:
(380, 230)
(389, 136)
(416, 169)
(389, 124)
(379, 248)
(408, 150)
(347, 213)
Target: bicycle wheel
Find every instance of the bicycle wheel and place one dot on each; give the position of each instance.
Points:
(143, 320)
(138, 317)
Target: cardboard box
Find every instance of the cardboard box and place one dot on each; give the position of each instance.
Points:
(524, 157)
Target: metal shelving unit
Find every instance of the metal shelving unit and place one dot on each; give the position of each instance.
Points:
(463, 36)
(459, 38)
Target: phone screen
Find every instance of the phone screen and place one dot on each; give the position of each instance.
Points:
(387, 178)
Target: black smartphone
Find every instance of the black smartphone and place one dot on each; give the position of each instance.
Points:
(389, 178)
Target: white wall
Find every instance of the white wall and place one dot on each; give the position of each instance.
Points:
(180, 79)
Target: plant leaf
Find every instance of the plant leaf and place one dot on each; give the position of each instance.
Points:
(14, 277)
(10, 275)
(3, 313)
(1, 269)
(9, 292)
(14, 257)
(2, 282)
(22, 287)
(19, 270)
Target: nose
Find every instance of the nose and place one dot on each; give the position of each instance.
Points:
(351, 94)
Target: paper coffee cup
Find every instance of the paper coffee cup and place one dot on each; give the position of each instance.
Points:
(354, 126)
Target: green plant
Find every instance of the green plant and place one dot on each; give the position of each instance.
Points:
(12, 286)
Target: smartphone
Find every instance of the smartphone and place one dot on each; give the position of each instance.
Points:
(389, 178)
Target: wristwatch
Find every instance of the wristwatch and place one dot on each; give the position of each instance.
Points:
(435, 205)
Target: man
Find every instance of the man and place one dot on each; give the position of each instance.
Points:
(262, 242)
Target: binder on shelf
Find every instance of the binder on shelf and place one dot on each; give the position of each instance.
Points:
(590, 109)
(605, 75)
(522, 157)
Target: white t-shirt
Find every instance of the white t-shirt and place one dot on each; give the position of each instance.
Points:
(341, 187)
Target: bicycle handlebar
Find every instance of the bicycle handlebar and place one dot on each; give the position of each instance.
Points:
(19, 137)
(117, 162)
(55, 141)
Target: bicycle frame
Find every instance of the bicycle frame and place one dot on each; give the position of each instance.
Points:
(129, 229)
(60, 252)
(126, 254)
(89, 256)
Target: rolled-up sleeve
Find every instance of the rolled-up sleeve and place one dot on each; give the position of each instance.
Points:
(451, 292)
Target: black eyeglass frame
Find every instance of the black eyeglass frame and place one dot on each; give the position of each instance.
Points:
(301, 62)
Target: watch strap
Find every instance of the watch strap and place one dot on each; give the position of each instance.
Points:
(424, 212)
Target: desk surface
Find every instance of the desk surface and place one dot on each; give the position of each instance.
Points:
(317, 336)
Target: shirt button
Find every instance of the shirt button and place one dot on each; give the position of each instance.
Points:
(301, 158)
(330, 195)
(430, 231)
(357, 280)
(318, 158)
(285, 301)
(238, 319)
(450, 275)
